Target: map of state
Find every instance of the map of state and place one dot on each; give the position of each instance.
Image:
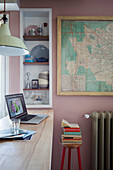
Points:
(87, 56)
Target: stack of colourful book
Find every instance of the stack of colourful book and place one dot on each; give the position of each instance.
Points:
(71, 133)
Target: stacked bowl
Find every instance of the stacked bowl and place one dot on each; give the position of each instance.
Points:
(44, 80)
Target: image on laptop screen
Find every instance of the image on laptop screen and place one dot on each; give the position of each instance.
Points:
(16, 105)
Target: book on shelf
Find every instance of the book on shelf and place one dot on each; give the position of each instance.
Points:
(72, 133)
(65, 123)
(21, 135)
(68, 128)
(76, 140)
(71, 130)
(71, 136)
(72, 142)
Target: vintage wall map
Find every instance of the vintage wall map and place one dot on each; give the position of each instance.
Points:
(87, 56)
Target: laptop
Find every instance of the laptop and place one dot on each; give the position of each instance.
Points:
(17, 110)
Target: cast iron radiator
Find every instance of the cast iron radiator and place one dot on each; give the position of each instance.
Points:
(102, 140)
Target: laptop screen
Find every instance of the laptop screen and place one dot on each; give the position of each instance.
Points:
(16, 105)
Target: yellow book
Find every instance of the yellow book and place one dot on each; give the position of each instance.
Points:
(65, 123)
(72, 142)
(71, 136)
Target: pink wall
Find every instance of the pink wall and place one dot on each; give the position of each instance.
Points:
(70, 108)
(14, 73)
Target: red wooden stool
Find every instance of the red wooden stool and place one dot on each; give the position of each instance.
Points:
(70, 146)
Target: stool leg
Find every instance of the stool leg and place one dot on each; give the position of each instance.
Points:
(63, 155)
(69, 158)
(79, 158)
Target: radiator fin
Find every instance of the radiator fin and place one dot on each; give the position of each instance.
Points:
(101, 142)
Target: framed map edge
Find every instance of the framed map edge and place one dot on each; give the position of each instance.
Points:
(59, 20)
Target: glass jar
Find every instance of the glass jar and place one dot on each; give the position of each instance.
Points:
(39, 30)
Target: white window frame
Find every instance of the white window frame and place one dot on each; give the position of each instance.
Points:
(5, 82)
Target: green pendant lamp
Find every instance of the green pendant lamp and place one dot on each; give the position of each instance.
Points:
(10, 45)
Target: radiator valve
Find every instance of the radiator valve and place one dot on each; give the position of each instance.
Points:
(86, 116)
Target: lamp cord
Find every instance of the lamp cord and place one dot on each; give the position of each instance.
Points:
(4, 6)
(4, 18)
(1, 12)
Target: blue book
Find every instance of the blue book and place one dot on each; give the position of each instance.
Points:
(26, 132)
(72, 133)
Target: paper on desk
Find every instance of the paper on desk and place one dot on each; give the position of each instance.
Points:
(23, 132)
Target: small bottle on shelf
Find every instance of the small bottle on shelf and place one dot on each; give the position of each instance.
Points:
(28, 85)
(45, 29)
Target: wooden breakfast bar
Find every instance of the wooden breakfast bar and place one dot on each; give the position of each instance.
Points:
(34, 154)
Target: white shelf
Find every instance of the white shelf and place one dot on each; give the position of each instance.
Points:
(38, 106)
(36, 16)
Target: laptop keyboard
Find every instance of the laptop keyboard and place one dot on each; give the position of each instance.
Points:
(28, 117)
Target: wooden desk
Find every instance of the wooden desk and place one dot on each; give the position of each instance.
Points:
(34, 154)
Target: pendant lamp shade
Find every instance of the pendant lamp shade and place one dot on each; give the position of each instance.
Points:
(10, 45)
